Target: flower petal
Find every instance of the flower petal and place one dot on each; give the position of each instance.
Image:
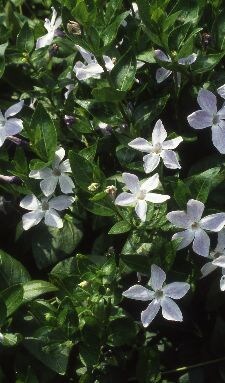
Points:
(14, 109)
(179, 219)
(207, 269)
(176, 290)
(151, 183)
(132, 182)
(84, 72)
(159, 133)
(140, 144)
(207, 101)
(65, 167)
(66, 184)
(59, 155)
(53, 219)
(13, 126)
(221, 241)
(151, 162)
(170, 310)
(195, 210)
(218, 136)
(162, 74)
(156, 198)
(48, 185)
(222, 283)
(141, 209)
(125, 199)
(172, 144)
(160, 55)
(30, 202)
(221, 91)
(213, 222)
(61, 202)
(170, 159)
(188, 60)
(200, 119)
(187, 237)
(87, 56)
(108, 63)
(150, 313)
(139, 293)
(220, 261)
(41, 174)
(45, 40)
(158, 277)
(32, 219)
(201, 243)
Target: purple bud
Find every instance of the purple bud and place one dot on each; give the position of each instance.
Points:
(69, 120)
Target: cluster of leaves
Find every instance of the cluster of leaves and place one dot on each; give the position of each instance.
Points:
(62, 316)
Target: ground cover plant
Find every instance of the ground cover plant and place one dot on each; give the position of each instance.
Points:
(112, 209)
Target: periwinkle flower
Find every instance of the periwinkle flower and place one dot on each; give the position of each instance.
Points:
(208, 116)
(217, 257)
(51, 26)
(163, 73)
(140, 194)
(161, 295)
(158, 148)
(9, 125)
(57, 174)
(195, 226)
(92, 69)
(46, 208)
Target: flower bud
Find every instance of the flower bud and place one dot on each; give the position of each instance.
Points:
(74, 28)
(111, 191)
(93, 187)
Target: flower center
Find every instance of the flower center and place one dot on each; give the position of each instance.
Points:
(157, 148)
(56, 172)
(141, 194)
(45, 205)
(216, 119)
(195, 226)
(158, 294)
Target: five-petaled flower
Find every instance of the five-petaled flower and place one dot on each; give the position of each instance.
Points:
(10, 126)
(46, 208)
(158, 148)
(208, 116)
(58, 174)
(140, 194)
(217, 257)
(160, 296)
(195, 226)
(92, 69)
(51, 26)
(163, 73)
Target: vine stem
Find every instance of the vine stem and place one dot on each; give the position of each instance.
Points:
(186, 368)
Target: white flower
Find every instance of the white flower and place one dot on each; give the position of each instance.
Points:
(51, 27)
(208, 116)
(69, 87)
(160, 296)
(10, 126)
(163, 73)
(91, 69)
(140, 195)
(51, 177)
(195, 226)
(159, 148)
(217, 259)
(221, 91)
(46, 208)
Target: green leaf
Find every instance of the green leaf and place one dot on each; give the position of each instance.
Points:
(120, 227)
(2, 58)
(42, 134)
(13, 298)
(34, 289)
(90, 152)
(12, 271)
(82, 169)
(106, 93)
(202, 184)
(123, 73)
(106, 112)
(110, 32)
(146, 112)
(122, 331)
(206, 63)
(25, 39)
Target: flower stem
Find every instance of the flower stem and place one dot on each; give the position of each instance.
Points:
(186, 368)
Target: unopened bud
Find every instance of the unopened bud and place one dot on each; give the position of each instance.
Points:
(93, 187)
(83, 284)
(54, 50)
(69, 120)
(74, 28)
